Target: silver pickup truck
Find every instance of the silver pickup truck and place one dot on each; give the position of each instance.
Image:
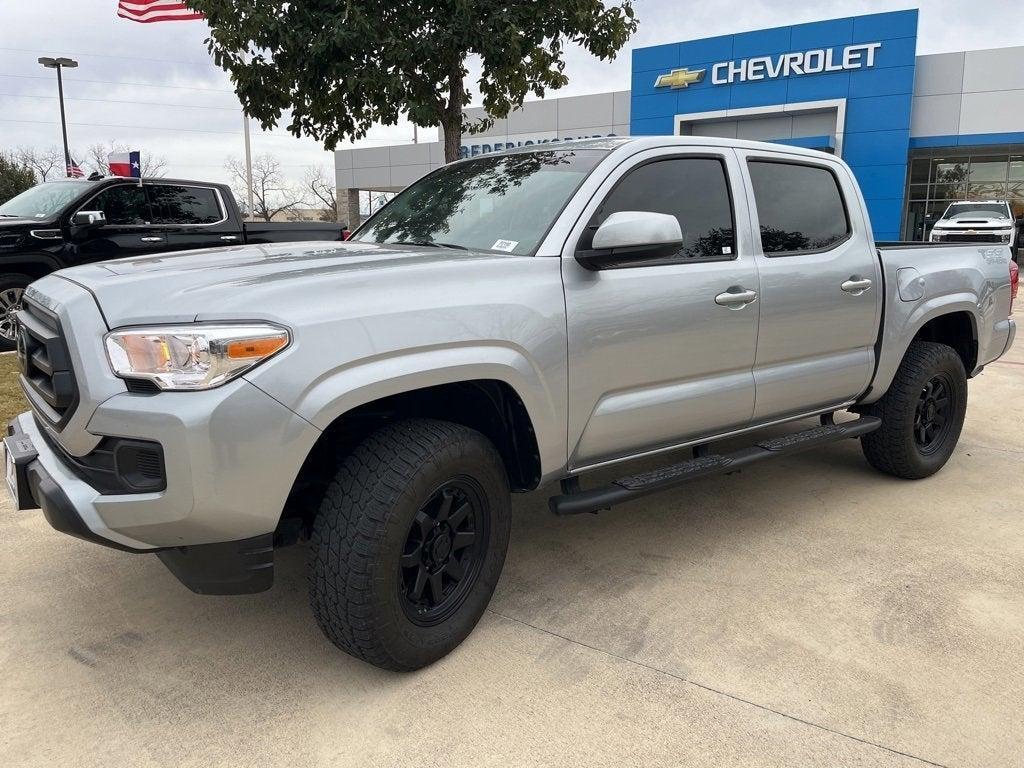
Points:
(507, 321)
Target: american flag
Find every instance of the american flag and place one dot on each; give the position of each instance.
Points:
(147, 11)
(74, 170)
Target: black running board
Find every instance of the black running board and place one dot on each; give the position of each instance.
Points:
(640, 485)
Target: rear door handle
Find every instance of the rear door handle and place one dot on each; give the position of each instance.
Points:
(856, 285)
(152, 239)
(229, 237)
(735, 298)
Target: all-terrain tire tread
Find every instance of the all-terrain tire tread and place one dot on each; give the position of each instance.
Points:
(350, 525)
(888, 449)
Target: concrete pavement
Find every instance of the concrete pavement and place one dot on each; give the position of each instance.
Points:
(805, 612)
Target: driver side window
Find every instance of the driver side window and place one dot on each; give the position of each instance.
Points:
(125, 204)
(693, 189)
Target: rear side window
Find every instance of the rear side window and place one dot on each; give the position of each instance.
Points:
(693, 189)
(800, 207)
(125, 204)
(174, 204)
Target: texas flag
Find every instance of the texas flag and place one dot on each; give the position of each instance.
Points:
(125, 164)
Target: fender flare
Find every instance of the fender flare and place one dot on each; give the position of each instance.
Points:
(897, 340)
(362, 381)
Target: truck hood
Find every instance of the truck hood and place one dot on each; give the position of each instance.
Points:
(269, 282)
(21, 223)
(974, 222)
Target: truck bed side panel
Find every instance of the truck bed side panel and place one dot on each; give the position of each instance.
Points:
(925, 282)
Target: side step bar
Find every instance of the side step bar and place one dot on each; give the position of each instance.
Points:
(637, 486)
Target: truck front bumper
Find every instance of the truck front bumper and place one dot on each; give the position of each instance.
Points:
(228, 474)
(222, 568)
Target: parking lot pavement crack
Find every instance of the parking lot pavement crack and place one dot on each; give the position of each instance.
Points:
(717, 691)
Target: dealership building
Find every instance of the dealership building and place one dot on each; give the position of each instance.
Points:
(918, 131)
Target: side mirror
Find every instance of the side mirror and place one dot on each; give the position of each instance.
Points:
(89, 219)
(632, 236)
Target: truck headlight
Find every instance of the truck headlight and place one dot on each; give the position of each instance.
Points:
(192, 356)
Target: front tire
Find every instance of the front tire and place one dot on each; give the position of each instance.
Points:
(922, 413)
(409, 543)
(12, 288)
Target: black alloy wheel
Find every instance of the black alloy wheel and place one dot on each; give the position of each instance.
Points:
(443, 552)
(932, 418)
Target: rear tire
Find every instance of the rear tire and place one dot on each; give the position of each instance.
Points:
(409, 543)
(12, 286)
(922, 413)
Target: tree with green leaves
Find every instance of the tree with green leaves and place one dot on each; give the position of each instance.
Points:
(15, 177)
(339, 68)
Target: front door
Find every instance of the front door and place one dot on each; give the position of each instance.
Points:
(127, 231)
(657, 355)
(821, 286)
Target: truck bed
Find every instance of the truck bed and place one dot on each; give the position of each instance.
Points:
(258, 232)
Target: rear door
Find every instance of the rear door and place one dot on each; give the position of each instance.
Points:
(191, 216)
(654, 359)
(821, 287)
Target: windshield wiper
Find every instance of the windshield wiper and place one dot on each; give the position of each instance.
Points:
(10, 215)
(430, 243)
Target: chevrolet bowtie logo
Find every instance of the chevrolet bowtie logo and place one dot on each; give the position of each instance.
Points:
(679, 78)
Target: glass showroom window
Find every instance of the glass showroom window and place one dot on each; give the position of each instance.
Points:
(935, 182)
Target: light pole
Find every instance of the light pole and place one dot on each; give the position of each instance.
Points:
(58, 64)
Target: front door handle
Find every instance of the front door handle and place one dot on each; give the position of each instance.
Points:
(736, 297)
(856, 285)
(229, 238)
(152, 239)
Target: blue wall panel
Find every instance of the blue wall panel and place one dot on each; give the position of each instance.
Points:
(876, 137)
(821, 33)
(967, 140)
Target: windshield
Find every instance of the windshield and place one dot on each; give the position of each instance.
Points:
(42, 201)
(977, 211)
(496, 203)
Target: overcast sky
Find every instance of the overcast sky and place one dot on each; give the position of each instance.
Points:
(121, 90)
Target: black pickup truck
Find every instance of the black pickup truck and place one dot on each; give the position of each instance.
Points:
(69, 222)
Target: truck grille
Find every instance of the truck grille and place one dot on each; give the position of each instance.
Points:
(953, 237)
(46, 373)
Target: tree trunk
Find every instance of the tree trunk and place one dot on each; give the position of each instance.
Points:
(451, 120)
(452, 129)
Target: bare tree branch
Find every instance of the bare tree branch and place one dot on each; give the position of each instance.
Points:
(43, 162)
(323, 189)
(271, 194)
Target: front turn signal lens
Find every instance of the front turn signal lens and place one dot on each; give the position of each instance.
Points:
(247, 349)
(192, 356)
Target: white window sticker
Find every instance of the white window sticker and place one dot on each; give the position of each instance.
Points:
(727, 250)
(504, 245)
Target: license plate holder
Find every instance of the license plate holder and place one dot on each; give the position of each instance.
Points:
(18, 454)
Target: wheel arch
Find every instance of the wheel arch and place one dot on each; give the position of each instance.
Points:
(491, 406)
(957, 329)
(31, 265)
(953, 322)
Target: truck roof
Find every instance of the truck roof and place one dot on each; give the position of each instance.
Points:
(146, 180)
(979, 202)
(638, 143)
